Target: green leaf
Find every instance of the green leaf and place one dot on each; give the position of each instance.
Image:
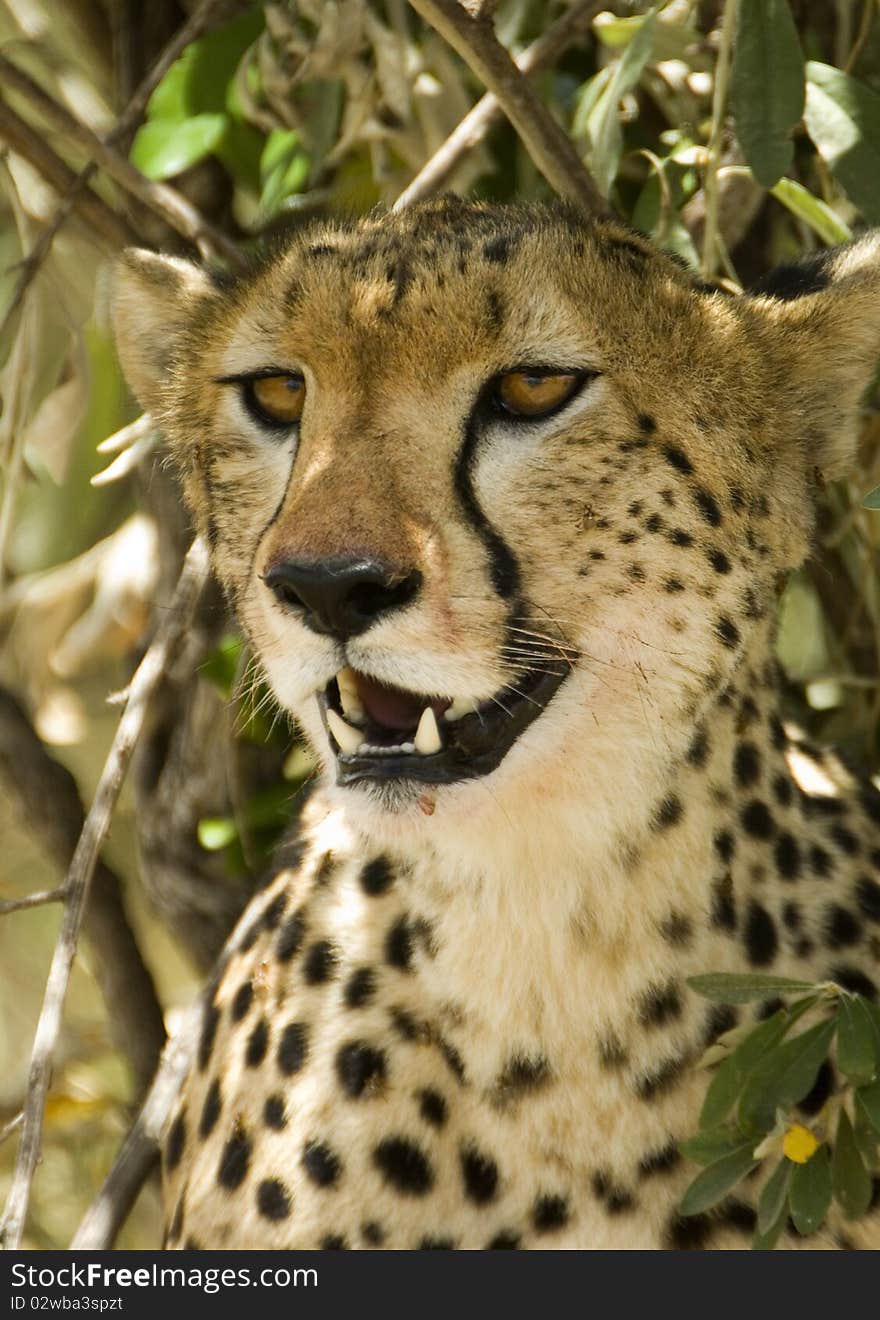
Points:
(710, 1146)
(604, 128)
(216, 832)
(843, 119)
(746, 987)
(713, 1184)
(284, 168)
(872, 499)
(164, 147)
(810, 1193)
(731, 1075)
(767, 86)
(850, 1179)
(774, 1197)
(812, 210)
(855, 1040)
(766, 1241)
(785, 1075)
(197, 83)
(868, 1098)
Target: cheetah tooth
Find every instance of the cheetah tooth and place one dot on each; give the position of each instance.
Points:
(349, 739)
(460, 707)
(348, 694)
(428, 738)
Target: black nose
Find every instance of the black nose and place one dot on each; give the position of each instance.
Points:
(341, 596)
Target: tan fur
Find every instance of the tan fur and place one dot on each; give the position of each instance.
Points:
(554, 907)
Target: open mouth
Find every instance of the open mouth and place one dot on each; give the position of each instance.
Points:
(385, 733)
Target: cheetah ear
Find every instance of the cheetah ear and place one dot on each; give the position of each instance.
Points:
(825, 311)
(153, 299)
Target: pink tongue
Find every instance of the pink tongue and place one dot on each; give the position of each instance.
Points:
(391, 707)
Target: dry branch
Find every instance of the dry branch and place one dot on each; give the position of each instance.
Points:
(478, 122)
(38, 899)
(164, 201)
(149, 672)
(48, 798)
(23, 139)
(549, 146)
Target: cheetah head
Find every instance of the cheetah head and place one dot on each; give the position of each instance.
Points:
(501, 496)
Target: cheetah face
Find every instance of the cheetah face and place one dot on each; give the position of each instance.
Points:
(495, 491)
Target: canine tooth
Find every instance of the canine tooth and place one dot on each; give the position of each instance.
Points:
(348, 694)
(349, 739)
(460, 707)
(428, 738)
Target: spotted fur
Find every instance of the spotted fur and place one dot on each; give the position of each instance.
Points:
(461, 1020)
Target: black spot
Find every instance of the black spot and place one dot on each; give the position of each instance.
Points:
(436, 1244)
(210, 1110)
(432, 1106)
(176, 1142)
(360, 987)
(373, 1233)
(646, 423)
(293, 1048)
(659, 1004)
(258, 1043)
(727, 631)
(359, 1066)
(845, 839)
(451, 1058)
(273, 1199)
(497, 250)
(662, 1078)
(480, 1174)
(377, 876)
(725, 845)
(291, 937)
(677, 930)
(660, 1161)
(274, 1115)
(841, 929)
(708, 506)
(690, 1234)
(611, 1053)
(720, 1018)
(333, 1242)
(522, 1074)
(398, 945)
(235, 1160)
(757, 819)
(766, 1008)
(746, 764)
(724, 904)
(820, 861)
(319, 963)
(654, 523)
(668, 813)
(819, 1092)
(788, 857)
(791, 916)
(672, 585)
(868, 897)
(870, 800)
(550, 1213)
(209, 1031)
(796, 279)
(782, 790)
(678, 536)
(274, 911)
(242, 1000)
(504, 1241)
(321, 1163)
(761, 939)
(699, 749)
(736, 1214)
(678, 458)
(326, 869)
(404, 1166)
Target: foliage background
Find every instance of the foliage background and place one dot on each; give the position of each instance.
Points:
(279, 112)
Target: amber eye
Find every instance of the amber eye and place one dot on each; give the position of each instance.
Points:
(534, 393)
(277, 400)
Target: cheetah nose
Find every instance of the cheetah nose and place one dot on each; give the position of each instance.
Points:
(343, 595)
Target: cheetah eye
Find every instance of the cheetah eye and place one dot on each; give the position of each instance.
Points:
(275, 400)
(533, 393)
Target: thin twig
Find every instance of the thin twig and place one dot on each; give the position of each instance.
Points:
(478, 122)
(12, 1126)
(868, 13)
(716, 135)
(139, 1152)
(166, 202)
(547, 143)
(208, 13)
(38, 899)
(148, 674)
(101, 219)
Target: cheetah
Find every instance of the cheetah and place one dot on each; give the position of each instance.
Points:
(502, 498)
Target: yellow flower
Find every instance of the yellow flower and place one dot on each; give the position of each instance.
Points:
(799, 1144)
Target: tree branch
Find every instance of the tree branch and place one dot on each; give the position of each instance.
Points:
(548, 145)
(38, 899)
(49, 799)
(147, 676)
(478, 122)
(166, 202)
(26, 142)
